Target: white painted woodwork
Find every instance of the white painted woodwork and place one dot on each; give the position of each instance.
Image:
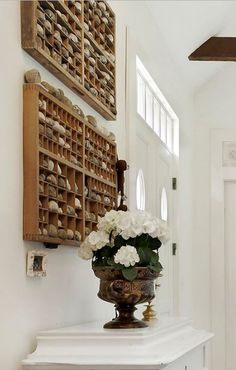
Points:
(171, 344)
(223, 236)
(230, 263)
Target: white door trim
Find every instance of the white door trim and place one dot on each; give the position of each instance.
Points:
(220, 173)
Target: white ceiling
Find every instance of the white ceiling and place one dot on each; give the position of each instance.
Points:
(185, 25)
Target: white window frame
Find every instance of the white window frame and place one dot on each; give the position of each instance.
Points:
(150, 87)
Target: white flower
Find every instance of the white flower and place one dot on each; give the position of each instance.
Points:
(97, 239)
(85, 252)
(127, 256)
(109, 221)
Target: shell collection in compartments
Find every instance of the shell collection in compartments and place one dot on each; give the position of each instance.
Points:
(75, 40)
(99, 198)
(69, 171)
(60, 199)
(60, 36)
(60, 132)
(99, 52)
(100, 155)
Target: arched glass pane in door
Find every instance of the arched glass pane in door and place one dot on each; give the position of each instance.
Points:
(164, 205)
(140, 191)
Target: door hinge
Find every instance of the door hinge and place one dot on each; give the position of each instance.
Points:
(174, 249)
(174, 183)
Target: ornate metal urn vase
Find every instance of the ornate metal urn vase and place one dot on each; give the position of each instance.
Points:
(125, 294)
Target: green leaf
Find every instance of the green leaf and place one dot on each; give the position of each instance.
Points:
(157, 268)
(145, 255)
(154, 258)
(129, 273)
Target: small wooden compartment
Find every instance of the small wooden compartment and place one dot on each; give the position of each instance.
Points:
(75, 40)
(69, 171)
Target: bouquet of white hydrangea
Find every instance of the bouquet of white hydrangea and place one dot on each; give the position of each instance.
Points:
(125, 240)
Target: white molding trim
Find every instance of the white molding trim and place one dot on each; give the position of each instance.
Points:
(90, 347)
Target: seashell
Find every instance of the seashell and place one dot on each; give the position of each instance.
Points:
(39, 42)
(67, 146)
(78, 78)
(60, 210)
(60, 197)
(104, 166)
(107, 200)
(87, 215)
(91, 70)
(32, 76)
(68, 133)
(68, 186)
(86, 85)
(47, 50)
(86, 43)
(92, 120)
(65, 66)
(105, 20)
(45, 232)
(49, 133)
(97, 20)
(87, 231)
(56, 56)
(76, 188)
(41, 128)
(107, 146)
(59, 170)
(93, 216)
(64, 17)
(50, 165)
(65, 31)
(70, 210)
(53, 206)
(92, 3)
(40, 203)
(40, 29)
(113, 110)
(57, 36)
(106, 75)
(103, 59)
(78, 34)
(59, 223)
(86, 191)
(71, 50)
(98, 198)
(73, 159)
(50, 14)
(52, 191)
(48, 25)
(73, 37)
(70, 234)
(40, 15)
(70, 60)
(62, 234)
(77, 203)
(41, 188)
(65, 52)
(87, 53)
(61, 141)
(110, 37)
(61, 182)
(111, 99)
(52, 179)
(42, 177)
(52, 231)
(59, 128)
(92, 60)
(111, 136)
(51, 4)
(86, 26)
(112, 57)
(102, 6)
(77, 236)
(78, 6)
(94, 91)
(98, 12)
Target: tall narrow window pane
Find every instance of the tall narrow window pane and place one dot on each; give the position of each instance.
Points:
(141, 96)
(163, 125)
(149, 107)
(140, 191)
(156, 116)
(169, 132)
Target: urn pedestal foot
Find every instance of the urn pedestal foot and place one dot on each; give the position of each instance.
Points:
(125, 319)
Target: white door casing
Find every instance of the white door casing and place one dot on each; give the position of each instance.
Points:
(223, 177)
(148, 153)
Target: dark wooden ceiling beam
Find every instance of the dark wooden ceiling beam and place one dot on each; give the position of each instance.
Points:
(216, 49)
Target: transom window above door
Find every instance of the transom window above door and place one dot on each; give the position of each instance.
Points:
(155, 110)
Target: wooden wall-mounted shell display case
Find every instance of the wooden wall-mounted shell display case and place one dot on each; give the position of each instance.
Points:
(75, 40)
(69, 171)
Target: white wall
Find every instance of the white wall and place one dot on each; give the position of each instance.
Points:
(68, 294)
(215, 108)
